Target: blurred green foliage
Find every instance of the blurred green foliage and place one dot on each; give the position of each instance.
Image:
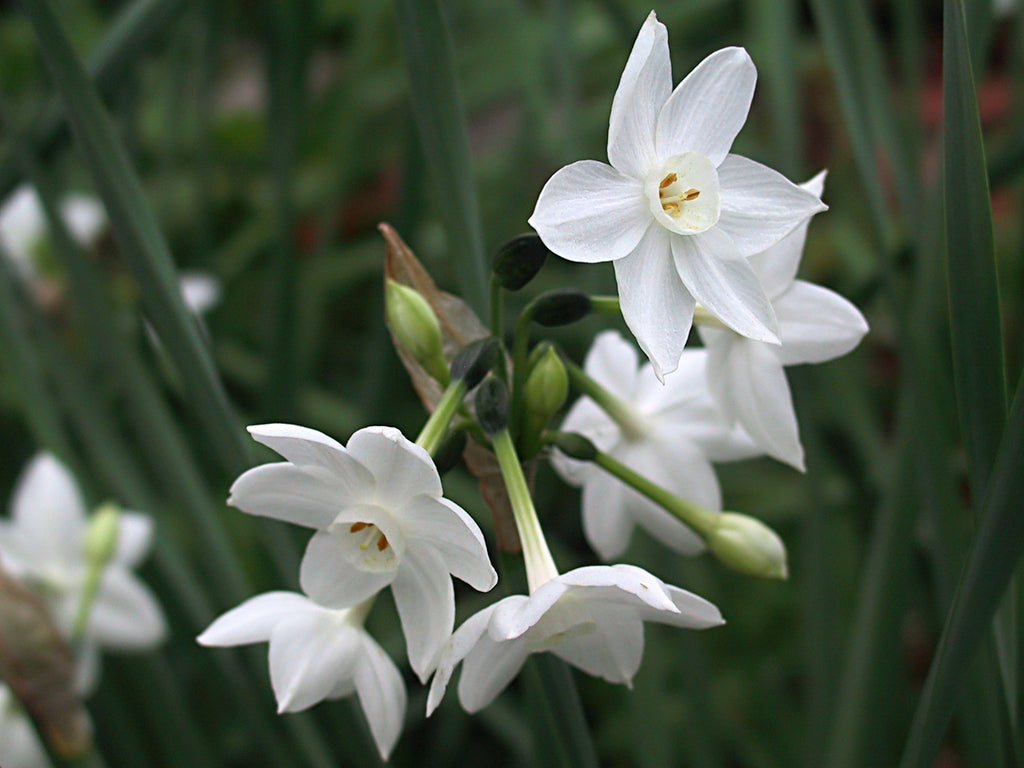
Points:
(270, 139)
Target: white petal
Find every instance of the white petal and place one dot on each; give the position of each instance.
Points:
(655, 304)
(518, 614)
(329, 578)
(816, 324)
(401, 468)
(612, 650)
(21, 745)
(708, 108)
(612, 362)
(285, 492)
(488, 668)
(426, 607)
(309, 654)
(134, 538)
(606, 524)
(382, 695)
(450, 531)
(694, 612)
(126, 615)
(590, 212)
(254, 620)
(726, 287)
(643, 88)
(306, 448)
(48, 511)
(678, 467)
(455, 650)
(88, 667)
(84, 216)
(760, 206)
(618, 584)
(200, 291)
(749, 382)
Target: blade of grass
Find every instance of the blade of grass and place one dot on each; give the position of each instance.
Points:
(286, 23)
(973, 289)
(139, 237)
(996, 551)
(440, 121)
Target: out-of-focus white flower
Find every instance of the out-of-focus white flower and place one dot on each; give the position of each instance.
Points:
(201, 291)
(24, 231)
(43, 544)
(675, 212)
(381, 520)
(319, 653)
(668, 433)
(815, 324)
(591, 617)
(19, 743)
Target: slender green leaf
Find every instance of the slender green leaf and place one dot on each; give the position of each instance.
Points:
(996, 551)
(440, 120)
(973, 289)
(141, 243)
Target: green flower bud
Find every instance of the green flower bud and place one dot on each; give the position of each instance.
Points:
(416, 328)
(747, 545)
(561, 307)
(101, 536)
(519, 260)
(545, 391)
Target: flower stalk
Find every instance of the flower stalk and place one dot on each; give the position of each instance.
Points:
(622, 413)
(434, 431)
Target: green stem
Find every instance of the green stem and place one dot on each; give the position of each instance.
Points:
(436, 428)
(606, 305)
(540, 566)
(630, 421)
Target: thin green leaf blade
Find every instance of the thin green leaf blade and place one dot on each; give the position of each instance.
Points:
(439, 114)
(995, 553)
(978, 364)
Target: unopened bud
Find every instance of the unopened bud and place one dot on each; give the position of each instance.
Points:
(560, 307)
(492, 405)
(101, 536)
(447, 456)
(747, 545)
(475, 360)
(519, 260)
(575, 446)
(545, 391)
(416, 328)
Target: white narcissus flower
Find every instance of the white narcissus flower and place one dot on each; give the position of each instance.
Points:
(668, 433)
(675, 212)
(319, 653)
(591, 617)
(745, 376)
(23, 227)
(381, 520)
(19, 741)
(43, 544)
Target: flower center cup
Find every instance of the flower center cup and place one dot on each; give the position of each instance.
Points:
(366, 547)
(683, 193)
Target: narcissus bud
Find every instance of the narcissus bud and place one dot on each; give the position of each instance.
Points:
(102, 535)
(747, 545)
(545, 391)
(475, 360)
(416, 328)
(519, 260)
(492, 405)
(561, 307)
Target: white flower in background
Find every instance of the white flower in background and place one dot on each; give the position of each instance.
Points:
(675, 212)
(24, 231)
(43, 544)
(591, 617)
(200, 291)
(381, 520)
(319, 653)
(668, 433)
(19, 743)
(746, 377)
